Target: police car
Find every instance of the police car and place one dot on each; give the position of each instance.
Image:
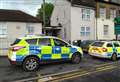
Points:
(30, 51)
(105, 49)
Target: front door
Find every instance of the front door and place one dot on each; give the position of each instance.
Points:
(60, 49)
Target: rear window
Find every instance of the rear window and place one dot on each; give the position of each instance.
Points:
(31, 41)
(16, 41)
(98, 44)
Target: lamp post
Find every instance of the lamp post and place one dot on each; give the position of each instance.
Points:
(44, 17)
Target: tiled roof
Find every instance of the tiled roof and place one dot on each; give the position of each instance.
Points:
(16, 16)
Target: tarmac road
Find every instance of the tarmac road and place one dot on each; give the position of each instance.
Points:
(10, 73)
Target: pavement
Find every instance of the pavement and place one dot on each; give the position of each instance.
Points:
(12, 73)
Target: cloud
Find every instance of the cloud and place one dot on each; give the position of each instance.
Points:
(28, 6)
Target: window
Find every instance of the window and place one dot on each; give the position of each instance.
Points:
(116, 44)
(44, 41)
(85, 31)
(30, 28)
(112, 13)
(59, 43)
(86, 14)
(3, 30)
(106, 30)
(16, 41)
(98, 44)
(102, 13)
(31, 41)
(109, 45)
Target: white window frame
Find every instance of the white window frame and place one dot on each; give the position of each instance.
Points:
(30, 28)
(85, 31)
(102, 12)
(3, 30)
(112, 13)
(86, 14)
(106, 30)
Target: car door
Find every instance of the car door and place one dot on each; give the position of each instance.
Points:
(117, 47)
(45, 48)
(60, 49)
(110, 48)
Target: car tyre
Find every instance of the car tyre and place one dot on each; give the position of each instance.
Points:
(30, 64)
(76, 58)
(114, 57)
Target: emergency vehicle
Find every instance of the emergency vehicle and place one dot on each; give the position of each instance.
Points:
(30, 51)
(105, 49)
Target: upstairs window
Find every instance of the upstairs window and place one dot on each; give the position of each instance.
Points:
(112, 13)
(86, 14)
(102, 13)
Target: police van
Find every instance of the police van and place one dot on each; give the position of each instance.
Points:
(30, 51)
(105, 49)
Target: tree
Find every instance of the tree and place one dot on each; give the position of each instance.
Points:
(48, 12)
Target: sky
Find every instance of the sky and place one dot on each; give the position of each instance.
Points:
(28, 6)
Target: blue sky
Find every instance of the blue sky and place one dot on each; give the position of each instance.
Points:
(28, 6)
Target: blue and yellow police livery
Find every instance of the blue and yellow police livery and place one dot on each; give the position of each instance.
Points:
(105, 49)
(31, 50)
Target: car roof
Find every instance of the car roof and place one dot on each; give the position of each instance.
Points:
(107, 41)
(34, 36)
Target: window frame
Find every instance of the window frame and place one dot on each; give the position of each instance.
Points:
(32, 39)
(3, 30)
(102, 12)
(66, 44)
(45, 40)
(86, 14)
(85, 32)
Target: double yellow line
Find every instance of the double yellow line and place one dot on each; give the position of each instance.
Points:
(78, 73)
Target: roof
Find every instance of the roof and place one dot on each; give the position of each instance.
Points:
(88, 3)
(36, 36)
(17, 16)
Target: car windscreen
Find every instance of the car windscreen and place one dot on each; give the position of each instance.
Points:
(98, 44)
(16, 41)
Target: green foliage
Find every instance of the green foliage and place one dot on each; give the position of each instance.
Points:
(48, 12)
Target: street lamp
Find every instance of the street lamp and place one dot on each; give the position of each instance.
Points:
(44, 16)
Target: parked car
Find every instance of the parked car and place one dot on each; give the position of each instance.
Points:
(31, 50)
(105, 49)
(77, 43)
(85, 44)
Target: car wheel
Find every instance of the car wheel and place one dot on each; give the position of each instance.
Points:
(114, 57)
(76, 58)
(30, 64)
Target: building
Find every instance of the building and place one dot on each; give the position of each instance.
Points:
(106, 11)
(83, 20)
(15, 23)
(77, 18)
(61, 16)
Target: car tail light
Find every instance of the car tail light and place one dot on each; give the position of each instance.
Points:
(104, 49)
(16, 48)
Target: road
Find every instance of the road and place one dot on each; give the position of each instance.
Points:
(11, 73)
(106, 76)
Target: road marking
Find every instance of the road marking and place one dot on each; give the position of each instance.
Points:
(87, 73)
(71, 74)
